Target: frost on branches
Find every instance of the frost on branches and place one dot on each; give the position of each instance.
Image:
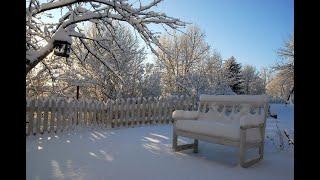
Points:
(281, 86)
(121, 78)
(41, 33)
(188, 66)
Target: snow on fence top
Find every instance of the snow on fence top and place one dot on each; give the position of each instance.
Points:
(59, 114)
(235, 98)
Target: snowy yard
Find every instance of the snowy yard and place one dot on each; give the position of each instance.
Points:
(145, 153)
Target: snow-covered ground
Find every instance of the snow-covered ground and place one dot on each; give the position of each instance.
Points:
(145, 153)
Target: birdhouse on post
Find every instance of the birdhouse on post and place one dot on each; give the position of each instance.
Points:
(62, 43)
(62, 48)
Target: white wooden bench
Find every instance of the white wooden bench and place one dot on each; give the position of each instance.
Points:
(235, 120)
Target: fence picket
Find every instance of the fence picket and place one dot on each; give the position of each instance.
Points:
(45, 112)
(143, 107)
(31, 116)
(39, 114)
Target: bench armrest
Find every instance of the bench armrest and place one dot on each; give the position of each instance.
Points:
(185, 115)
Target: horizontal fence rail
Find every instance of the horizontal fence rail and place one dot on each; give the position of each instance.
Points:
(62, 114)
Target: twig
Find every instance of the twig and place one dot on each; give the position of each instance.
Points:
(287, 135)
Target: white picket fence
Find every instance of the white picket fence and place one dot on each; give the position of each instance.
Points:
(62, 114)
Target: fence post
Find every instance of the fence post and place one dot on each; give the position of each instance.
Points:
(31, 116)
(73, 113)
(116, 112)
(145, 111)
(149, 110)
(126, 113)
(63, 114)
(39, 114)
(93, 113)
(45, 115)
(160, 109)
(167, 109)
(99, 119)
(138, 109)
(67, 114)
(80, 116)
(110, 113)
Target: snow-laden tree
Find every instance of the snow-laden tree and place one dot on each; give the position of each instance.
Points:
(189, 67)
(209, 77)
(42, 80)
(233, 75)
(278, 89)
(126, 56)
(285, 69)
(183, 52)
(216, 75)
(42, 33)
(287, 55)
(123, 54)
(151, 81)
(252, 83)
(265, 74)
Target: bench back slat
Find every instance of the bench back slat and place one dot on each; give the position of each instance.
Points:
(230, 102)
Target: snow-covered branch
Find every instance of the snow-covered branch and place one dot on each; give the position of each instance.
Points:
(104, 12)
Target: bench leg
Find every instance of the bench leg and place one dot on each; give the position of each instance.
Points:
(187, 146)
(247, 163)
(242, 153)
(261, 148)
(195, 144)
(174, 141)
(177, 147)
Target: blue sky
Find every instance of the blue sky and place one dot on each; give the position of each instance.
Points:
(249, 30)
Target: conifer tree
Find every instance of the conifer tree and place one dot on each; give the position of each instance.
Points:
(233, 75)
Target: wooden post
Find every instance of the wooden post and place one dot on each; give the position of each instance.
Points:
(78, 88)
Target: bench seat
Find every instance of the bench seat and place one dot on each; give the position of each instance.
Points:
(218, 129)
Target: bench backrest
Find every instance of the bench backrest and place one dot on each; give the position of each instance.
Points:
(230, 106)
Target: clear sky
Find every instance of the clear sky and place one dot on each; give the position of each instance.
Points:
(249, 30)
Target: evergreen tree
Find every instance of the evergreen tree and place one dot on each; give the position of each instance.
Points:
(233, 74)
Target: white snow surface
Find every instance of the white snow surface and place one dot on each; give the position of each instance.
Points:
(145, 153)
